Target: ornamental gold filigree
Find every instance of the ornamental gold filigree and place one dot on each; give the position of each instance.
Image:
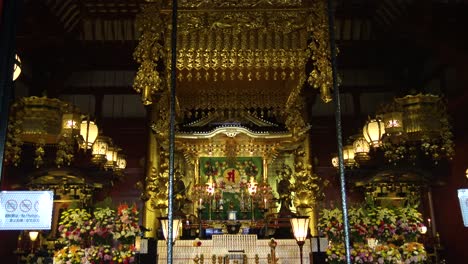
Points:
(221, 41)
(308, 186)
(295, 120)
(149, 53)
(319, 52)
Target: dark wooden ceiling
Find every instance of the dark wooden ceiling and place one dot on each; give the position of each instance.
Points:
(400, 44)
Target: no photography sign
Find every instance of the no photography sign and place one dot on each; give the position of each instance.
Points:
(26, 210)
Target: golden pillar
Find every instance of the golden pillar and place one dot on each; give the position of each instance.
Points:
(150, 214)
(313, 203)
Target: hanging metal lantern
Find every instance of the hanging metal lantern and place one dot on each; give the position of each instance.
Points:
(71, 123)
(373, 131)
(393, 123)
(111, 156)
(99, 150)
(121, 162)
(361, 150)
(423, 115)
(89, 132)
(348, 156)
(334, 161)
(41, 119)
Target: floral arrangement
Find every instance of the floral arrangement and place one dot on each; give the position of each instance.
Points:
(335, 253)
(103, 227)
(390, 226)
(73, 225)
(409, 224)
(127, 227)
(72, 254)
(107, 237)
(413, 252)
(361, 253)
(382, 222)
(387, 254)
(331, 223)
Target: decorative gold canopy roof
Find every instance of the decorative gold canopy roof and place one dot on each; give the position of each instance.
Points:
(230, 54)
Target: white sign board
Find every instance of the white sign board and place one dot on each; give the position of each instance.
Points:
(26, 210)
(463, 197)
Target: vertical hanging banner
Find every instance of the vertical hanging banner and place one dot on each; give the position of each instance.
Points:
(26, 210)
(463, 197)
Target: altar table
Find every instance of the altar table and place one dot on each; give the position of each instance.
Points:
(184, 251)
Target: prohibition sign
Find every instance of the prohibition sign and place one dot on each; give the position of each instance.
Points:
(11, 206)
(36, 206)
(25, 205)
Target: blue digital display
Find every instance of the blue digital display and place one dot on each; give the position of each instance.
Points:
(463, 197)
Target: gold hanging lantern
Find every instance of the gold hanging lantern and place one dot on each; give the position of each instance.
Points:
(334, 161)
(348, 156)
(361, 149)
(99, 150)
(423, 114)
(41, 119)
(89, 132)
(373, 131)
(121, 161)
(393, 122)
(111, 156)
(71, 123)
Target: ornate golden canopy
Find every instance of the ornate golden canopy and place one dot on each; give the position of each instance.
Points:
(239, 50)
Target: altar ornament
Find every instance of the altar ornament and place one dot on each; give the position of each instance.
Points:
(210, 190)
(252, 186)
(210, 186)
(272, 259)
(300, 227)
(176, 225)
